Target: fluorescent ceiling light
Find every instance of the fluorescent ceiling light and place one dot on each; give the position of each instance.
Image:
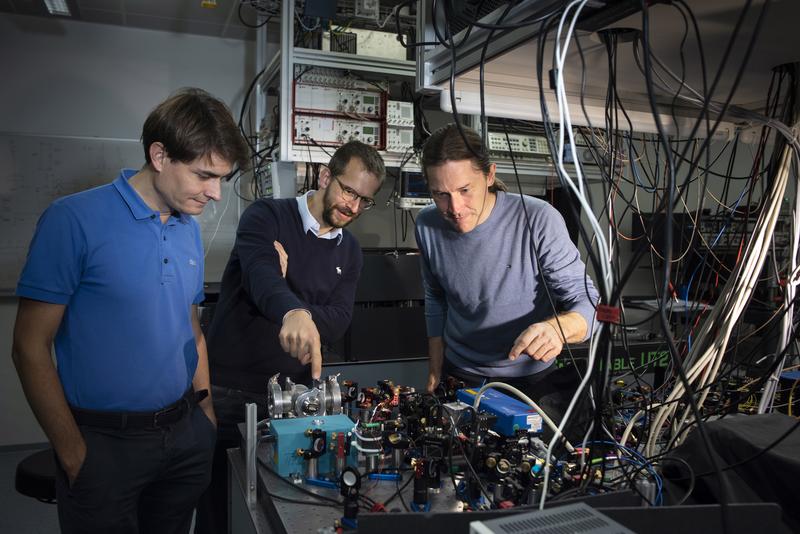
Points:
(58, 7)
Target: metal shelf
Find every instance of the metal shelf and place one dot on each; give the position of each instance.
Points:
(542, 172)
(313, 154)
(437, 63)
(272, 70)
(340, 60)
(279, 71)
(511, 87)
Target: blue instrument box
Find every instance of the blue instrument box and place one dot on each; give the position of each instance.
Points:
(512, 415)
(290, 435)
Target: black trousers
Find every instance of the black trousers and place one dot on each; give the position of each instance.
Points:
(138, 480)
(229, 407)
(552, 389)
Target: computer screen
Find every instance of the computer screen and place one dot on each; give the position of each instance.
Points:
(413, 185)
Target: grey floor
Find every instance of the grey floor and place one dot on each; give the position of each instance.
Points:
(20, 514)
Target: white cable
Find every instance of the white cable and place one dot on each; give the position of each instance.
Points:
(768, 396)
(566, 125)
(629, 428)
(707, 353)
(603, 248)
(355, 444)
(372, 416)
(568, 412)
(306, 28)
(358, 447)
(386, 20)
(365, 438)
(530, 403)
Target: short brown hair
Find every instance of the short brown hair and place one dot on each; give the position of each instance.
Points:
(448, 144)
(192, 124)
(356, 149)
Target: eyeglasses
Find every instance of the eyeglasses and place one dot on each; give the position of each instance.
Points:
(349, 195)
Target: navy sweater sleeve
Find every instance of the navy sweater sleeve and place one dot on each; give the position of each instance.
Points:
(261, 270)
(333, 317)
(243, 345)
(326, 293)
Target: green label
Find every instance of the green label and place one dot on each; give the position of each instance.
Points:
(646, 360)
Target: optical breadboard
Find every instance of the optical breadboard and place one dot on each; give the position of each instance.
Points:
(335, 131)
(568, 519)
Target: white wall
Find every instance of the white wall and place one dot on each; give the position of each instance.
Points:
(66, 78)
(74, 78)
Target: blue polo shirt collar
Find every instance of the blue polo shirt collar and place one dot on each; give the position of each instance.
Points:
(311, 224)
(139, 209)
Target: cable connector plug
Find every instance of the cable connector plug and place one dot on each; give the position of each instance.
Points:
(608, 314)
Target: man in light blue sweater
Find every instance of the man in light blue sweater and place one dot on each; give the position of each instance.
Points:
(489, 260)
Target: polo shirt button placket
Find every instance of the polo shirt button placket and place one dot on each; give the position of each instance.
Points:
(164, 259)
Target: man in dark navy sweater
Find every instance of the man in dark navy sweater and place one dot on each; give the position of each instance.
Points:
(288, 287)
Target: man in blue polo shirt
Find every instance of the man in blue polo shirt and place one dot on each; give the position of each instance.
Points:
(112, 281)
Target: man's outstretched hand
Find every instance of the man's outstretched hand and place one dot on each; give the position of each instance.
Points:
(540, 341)
(300, 338)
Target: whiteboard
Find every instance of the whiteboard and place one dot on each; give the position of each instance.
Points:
(37, 169)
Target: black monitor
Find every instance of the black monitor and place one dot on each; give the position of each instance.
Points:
(414, 192)
(413, 185)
